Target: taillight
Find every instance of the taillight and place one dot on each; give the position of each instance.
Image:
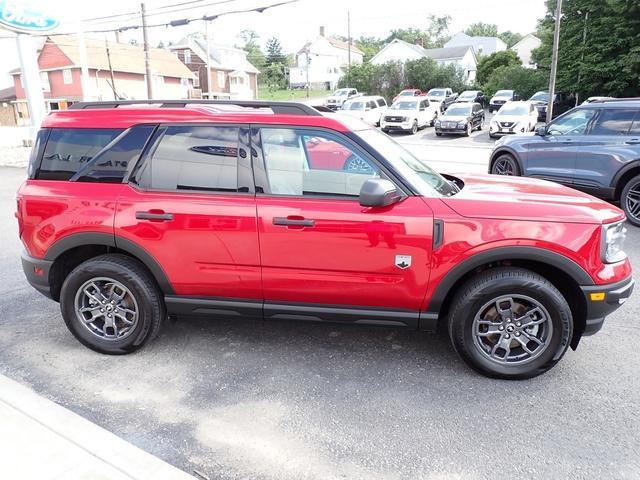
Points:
(19, 216)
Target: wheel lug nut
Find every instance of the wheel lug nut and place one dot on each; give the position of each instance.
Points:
(506, 336)
(508, 320)
(500, 327)
(517, 334)
(518, 324)
(109, 315)
(102, 309)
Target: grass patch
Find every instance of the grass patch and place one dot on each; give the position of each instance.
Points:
(281, 95)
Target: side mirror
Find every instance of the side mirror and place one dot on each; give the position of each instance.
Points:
(542, 131)
(379, 192)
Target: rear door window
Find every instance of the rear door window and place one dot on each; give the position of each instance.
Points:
(70, 149)
(194, 158)
(382, 102)
(635, 127)
(613, 121)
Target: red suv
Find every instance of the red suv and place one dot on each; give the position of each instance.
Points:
(136, 211)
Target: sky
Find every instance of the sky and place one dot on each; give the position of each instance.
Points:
(292, 24)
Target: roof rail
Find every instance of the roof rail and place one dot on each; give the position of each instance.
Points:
(285, 108)
(606, 100)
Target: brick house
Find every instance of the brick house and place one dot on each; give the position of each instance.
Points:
(232, 75)
(8, 113)
(59, 62)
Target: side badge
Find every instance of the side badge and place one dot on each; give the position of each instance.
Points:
(403, 261)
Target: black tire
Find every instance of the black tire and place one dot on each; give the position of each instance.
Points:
(414, 127)
(506, 164)
(439, 134)
(142, 288)
(384, 130)
(481, 124)
(630, 200)
(509, 282)
(468, 130)
(433, 120)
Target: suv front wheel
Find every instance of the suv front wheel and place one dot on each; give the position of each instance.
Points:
(505, 164)
(510, 323)
(630, 200)
(111, 304)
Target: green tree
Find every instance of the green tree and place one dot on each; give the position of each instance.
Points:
(510, 38)
(525, 81)
(482, 30)
(275, 64)
(369, 46)
(488, 64)
(438, 30)
(608, 62)
(249, 43)
(409, 35)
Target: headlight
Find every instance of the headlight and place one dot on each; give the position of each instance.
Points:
(495, 123)
(612, 242)
(462, 124)
(438, 123)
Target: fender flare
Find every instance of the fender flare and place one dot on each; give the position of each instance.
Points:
(620, 173)
(96, 238)
(536, 254)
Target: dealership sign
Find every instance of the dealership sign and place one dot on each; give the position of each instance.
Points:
(24, 17)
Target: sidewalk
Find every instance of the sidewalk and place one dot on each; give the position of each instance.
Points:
(42, 440)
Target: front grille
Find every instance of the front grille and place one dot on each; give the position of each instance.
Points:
(507, 124)
(499, 102)
(450, 124)
(393, 119)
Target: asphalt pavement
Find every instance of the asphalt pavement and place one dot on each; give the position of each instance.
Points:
(237, 399)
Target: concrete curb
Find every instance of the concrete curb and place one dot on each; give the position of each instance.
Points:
(42, 440)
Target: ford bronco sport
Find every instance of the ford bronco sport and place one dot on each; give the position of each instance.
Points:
(136, 211)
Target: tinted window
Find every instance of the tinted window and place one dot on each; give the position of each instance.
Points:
(36, 152)
(70, 149)
(382, 102)
(194, 158)
(613, 121)
(635, 128)
(573, 123)
(371, 104)
(303, 162)
(111, 165)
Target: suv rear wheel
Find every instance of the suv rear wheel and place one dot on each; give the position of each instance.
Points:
(505, 164)
(630, 200)
(510, 323)
(111, 304)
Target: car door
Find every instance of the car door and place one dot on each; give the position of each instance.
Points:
(553, 156)
(605, 149)
(533, 116)
(191, 206)
(320, 249)
(423, 113)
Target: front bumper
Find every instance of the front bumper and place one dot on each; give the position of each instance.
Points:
(37, 272)
(609, 298)
(451, 130)
(333, 106)
(396, 126)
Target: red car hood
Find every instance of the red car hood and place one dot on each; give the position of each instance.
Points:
(518, 198)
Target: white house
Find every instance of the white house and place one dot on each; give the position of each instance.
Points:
(524, 48)
(481, 45)
(322, 62)
(232, 75)
(398, 50)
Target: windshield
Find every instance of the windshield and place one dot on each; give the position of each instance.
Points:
(339, 93)
(467, 95)
(514, 109)
(541, 97)
(404, 106)
(405, 93)
(458, 110)
(504, 93)
(354, 106)
(436, 93)
(425, 180)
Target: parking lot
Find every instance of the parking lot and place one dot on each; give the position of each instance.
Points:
(240, 399)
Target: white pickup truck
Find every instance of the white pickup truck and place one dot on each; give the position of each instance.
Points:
(337, 98)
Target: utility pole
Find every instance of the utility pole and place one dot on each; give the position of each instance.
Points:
(113, 79)
(147, 63)
(308, 62)
(348, 48)
(584, 46)
(208, 40)
(84, 66)
(554, 62)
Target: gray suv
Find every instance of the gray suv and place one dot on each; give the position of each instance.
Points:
(594, 148)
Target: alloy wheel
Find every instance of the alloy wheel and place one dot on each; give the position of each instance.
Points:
(503, 167)
(357, 165)
(512, 329)
(106, 308)
(632, 201)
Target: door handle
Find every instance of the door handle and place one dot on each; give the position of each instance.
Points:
(158, 216)
(294, 221)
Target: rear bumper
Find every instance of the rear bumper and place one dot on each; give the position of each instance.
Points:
(37, 272)
(615, 294)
